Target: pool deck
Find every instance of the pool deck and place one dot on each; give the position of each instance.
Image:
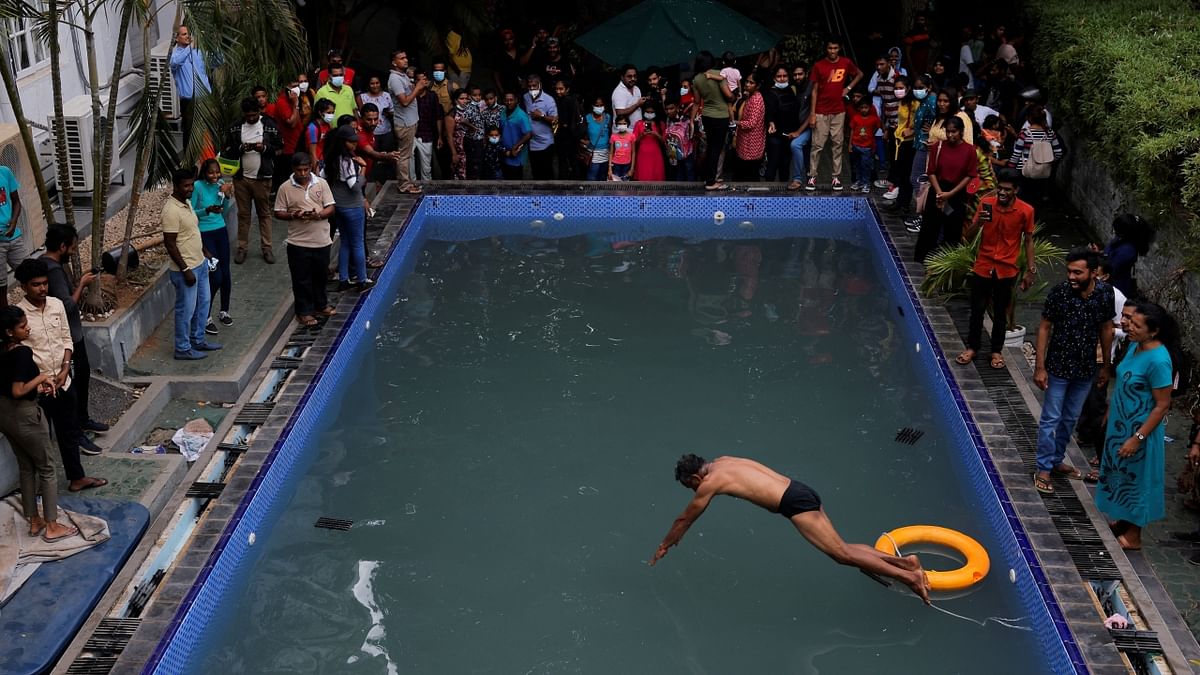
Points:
(1004, 404)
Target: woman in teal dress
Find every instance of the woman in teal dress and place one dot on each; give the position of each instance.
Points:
(1130, 492)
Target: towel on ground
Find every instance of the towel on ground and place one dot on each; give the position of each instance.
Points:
(21, 554)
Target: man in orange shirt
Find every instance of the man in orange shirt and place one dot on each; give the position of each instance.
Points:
(1005, 220)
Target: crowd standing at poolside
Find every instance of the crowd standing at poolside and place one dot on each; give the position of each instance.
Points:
(957, 143)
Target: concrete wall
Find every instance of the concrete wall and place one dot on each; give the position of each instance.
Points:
(111, 342)
(1099, 199)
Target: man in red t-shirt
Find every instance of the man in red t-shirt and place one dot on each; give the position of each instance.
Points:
(1005, 221)
(833, 77)
(285, 113)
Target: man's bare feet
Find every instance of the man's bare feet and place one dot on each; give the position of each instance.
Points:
(56, 531)
(909, 562)
(919, 583)
(36, 524)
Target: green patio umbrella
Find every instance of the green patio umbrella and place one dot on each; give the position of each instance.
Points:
(664, 32)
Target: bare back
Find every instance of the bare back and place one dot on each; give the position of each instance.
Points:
(747, 479)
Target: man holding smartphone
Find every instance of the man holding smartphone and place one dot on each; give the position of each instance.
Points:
(306, 202)
(188, 268)
(1005, 220)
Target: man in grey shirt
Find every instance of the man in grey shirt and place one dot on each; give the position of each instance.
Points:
(404, 117)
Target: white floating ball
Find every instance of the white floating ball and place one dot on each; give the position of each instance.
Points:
(559, 216)
(718, 216)
(251, 539)
(367, 325)
(1012, 575)
(918, 346)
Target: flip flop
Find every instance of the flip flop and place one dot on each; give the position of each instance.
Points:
(962, 359)
(1042, 485)
(71, 532)
(1092, 477)
(328, 311)
(1069, 472)
(998, 362)
(718, 187)
(95, 483)
(306, 321)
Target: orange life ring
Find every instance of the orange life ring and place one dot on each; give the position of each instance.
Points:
(973, 570)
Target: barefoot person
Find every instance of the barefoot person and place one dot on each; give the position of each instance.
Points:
(757, 484)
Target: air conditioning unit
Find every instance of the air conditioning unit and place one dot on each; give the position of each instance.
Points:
(160, 71)
(77, 118)
(12, 154)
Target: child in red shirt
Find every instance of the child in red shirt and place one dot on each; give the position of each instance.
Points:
(864, 122)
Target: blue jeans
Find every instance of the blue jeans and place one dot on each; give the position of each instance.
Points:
(352, 256)
(800, 146)
(191, 308)
(597, 171)
(863, 165)
(220, 279)
(1061, 405)
(684, 171)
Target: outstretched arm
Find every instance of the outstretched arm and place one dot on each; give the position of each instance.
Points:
(694, 510)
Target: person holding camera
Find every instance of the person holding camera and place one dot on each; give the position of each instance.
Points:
(210, 201)
(188, 269)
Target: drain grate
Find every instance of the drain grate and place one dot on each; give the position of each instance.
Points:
(334, 523)
(111, 636)
(141, 595)
(909, 436)
(302, 339)
(201, 490)
(1136, 641)
(254, 414)
(285, 363)
(92, 665)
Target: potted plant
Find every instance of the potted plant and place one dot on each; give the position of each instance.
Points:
(948, 269)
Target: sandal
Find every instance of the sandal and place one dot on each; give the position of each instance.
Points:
(1067, 472)
(998, 362)
(92, 483)
(328, 311)
(1042, 485)
(1095, 461)
(306, 321)
(965, 358)
(1092, 477)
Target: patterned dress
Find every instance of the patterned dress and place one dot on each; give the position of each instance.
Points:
(459, 169)
(1131, 488)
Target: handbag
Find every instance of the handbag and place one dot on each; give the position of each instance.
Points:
(922, 194)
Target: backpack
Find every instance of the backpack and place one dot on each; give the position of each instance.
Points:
(1039, 161)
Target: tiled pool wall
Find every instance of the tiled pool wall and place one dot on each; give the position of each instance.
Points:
(472, 217)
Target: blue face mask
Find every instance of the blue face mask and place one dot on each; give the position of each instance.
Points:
(439, 75)
(920, 94)
(337, 80)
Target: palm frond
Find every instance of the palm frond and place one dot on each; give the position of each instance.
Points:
(947, 269)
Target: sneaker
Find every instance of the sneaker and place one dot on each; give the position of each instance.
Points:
(211, 328)
(854, 187)
(836, 185)
(190, 355)
(913, 224)
(892, 194)
(882, 184)
(811, 185)
(207, 347)
(225, 319)
(865, 189)
(93, 425)
(88, 447)
(365, 285)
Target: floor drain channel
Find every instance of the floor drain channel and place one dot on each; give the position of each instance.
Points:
(255, 414)
(92, 665)
(285, 363)
(200, 490)
(334, 523)
(1136, 641)
(111, 635)
(909, 436)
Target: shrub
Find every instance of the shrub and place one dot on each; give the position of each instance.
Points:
(1123, 74)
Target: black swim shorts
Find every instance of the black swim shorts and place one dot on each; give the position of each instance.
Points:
(798, 498)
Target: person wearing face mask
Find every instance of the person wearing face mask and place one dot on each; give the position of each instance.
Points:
(493, 156)
(440, 85)
(285, 112)
(316, 131)
(599, 128)
(543, 115)
(621, 154)
(926, 111)
(783, 124)
(254, 141)
(336, 58)
(343, 171)
(681, 144)
(338, 92)
(650, 145)
(566, 137)
(900, 144)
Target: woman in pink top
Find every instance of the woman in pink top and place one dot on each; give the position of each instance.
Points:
(650, 146)
(750, 140)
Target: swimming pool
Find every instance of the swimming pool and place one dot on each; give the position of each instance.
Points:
(974, 501)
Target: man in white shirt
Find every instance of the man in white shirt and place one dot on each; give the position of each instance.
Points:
(627, 99)
(306, 203)
(50, 340)
(254, 141)
(971, 106)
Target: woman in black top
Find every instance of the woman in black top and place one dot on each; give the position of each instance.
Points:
(783, 124)
(24, 425)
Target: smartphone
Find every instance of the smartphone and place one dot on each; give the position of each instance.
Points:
(987, 212)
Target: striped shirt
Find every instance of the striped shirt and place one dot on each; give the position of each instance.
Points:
(1025, 143)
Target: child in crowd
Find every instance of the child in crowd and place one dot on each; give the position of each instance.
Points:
(620, 150)
(493, 156)
(729, 71)
(681, 149)
(864, 122)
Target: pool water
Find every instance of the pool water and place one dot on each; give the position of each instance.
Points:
(506, 451)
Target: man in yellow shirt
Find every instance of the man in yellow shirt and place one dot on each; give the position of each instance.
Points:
(339, 92)
(188, 269)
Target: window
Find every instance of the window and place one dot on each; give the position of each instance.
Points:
(25, 51)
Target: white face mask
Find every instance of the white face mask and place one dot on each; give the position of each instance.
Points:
(649, 115)
(295, 91)
(534, 92)
(303, 87)
(622, 128)
(901, 92)
(598, 109)
(494, 140)
(337, 80)
(328, 117)
(781, 85)
(684, 91)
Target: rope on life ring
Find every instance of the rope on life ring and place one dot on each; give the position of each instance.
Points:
(973, 570)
